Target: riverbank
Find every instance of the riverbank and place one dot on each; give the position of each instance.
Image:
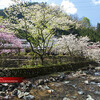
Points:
(80, 85)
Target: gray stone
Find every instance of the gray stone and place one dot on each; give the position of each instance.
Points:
(4, 88)
(26, 93)
(46, 81)
(97, 73)
(41, 87)
(80, 92)
(65, 98)
(29, 84)
(74, 97)
(2, 93)
(22, 84)
(20, 94)
(52, 79)
(29, 97)
(66, 82)
(74, 85)
(40, 82)
(89, 97)
(98, 84)
(50, 91)
(97, 68)
(86, 82)
(25, 89)
(97, 92)
(5, 84)
(11, 87)
(46, 87)
(15, 92)
(6, 97)
(93, 83)
(34, 86)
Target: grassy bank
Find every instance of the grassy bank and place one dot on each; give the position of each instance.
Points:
(44, 70)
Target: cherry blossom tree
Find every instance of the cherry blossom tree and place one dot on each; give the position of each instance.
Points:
(37, 24)
(8, 41)
(72, 45)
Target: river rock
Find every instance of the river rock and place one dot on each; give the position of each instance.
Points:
(41, 87)
(20, 94)
(26, 93)
(65, 98)
(2, 93)
(89, 97)
(15, 92)
(46, 87)
(97, 73)
(98, 84)
(33, 86)
(5, 84)
(11, 87)
(97, 92)
(52, 79)
(22, 84)
(66, 82)
(29, 84)
(97, 68)
(86, 82)
(40, 82)
(74, 97)
(28, 97)
(7, 97)
(50, 91)
(80, 92)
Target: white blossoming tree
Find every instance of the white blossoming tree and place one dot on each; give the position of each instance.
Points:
(72, 45)
(37, 24)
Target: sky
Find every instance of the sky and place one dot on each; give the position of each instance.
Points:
(80, 8)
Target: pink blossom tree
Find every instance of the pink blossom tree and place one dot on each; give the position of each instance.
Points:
(9, 42)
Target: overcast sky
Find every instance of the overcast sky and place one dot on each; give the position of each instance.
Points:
(81, 8)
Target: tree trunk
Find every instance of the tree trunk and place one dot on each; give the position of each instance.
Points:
(42, 59)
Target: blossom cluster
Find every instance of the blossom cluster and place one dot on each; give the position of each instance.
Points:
(7, 41)
(77, 45)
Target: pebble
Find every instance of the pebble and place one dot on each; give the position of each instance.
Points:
(46, 87)
(14, 92)
(66, 82)
(97, 73)
(50, 91)
(20, 94)
(86, 82)
(29, 97)
(97, 92)
(41, 87)
(65, 98)
(89, 97)
(4, 84)
(74, 97)
(98, 84)
(40, 82)
(80, 92)
(26, 93)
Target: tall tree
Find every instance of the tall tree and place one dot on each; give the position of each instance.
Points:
(86, 22)
(98, 27)
(37, 25)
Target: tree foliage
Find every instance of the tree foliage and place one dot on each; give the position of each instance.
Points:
(38, 24)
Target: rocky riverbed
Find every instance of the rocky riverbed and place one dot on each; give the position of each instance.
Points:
(81, 85)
